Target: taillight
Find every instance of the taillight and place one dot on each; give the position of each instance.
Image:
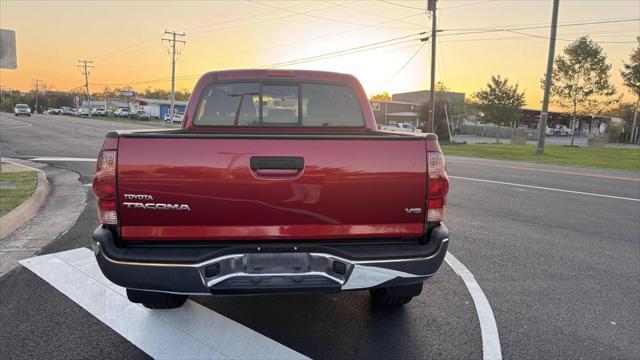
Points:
(438, 182)
(104, 186)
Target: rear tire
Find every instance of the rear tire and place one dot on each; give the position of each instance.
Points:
(156, 300)
(395, 295)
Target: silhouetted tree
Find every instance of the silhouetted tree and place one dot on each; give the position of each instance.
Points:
(499, 101)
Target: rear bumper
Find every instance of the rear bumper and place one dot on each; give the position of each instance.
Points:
(269, 267)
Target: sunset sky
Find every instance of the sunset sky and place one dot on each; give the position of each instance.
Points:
(123, 40)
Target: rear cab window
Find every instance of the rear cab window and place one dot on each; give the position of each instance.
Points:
(257, 104)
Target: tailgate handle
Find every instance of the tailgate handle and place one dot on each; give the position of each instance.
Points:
(277, 163)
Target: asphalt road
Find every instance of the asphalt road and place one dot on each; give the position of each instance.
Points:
(559, 269)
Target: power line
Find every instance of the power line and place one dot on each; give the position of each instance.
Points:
(84, 66)
(263, 20)
(124, 49)
(173, 42)
(370, 46)
(490, 30)
(321, 17)
(405, 64)
(547, 38)
(475, 3)
(236, 19)
(218, 56)
(382, 17)
(401, 5)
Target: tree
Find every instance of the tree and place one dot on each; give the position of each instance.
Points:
(631, 77)
(440, 86)
(381, 97)
(499, 102)
(580, 79)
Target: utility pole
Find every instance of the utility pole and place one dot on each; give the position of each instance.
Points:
(544, 114)
(431, 6)
(173, 42)
(37, 85)
(84, 65)
(105, 98)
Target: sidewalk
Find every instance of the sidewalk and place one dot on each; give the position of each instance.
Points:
(59, 212)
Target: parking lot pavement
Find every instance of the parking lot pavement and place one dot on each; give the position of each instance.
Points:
(558, 269)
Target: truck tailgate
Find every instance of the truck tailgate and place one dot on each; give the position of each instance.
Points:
(208, 188)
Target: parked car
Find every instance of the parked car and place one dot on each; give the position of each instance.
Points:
(549, 131)
(140, 115)
(52, 111)
(65, 110)
(177, 119)
(22, 110)
(83, 112)
(562, 130)
(406, 127)
(121, 112)
(98, 112)
(256, 197)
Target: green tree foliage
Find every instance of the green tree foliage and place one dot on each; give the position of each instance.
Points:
(181, 95)
(499, 101)
(446, 107)
(46, 99)
(631, 77)
(581, 79)
(631, 71)
(384, 96)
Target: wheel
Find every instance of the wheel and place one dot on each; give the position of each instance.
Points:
(156, 300)
(395, 295)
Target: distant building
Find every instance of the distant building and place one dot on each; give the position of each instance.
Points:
(394, 112)
(106, 104)
(454, 99)
(158, 107)
(453, 109)
(531, 117)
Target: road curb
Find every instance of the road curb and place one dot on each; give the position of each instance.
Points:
(28, 209)
(59, 212)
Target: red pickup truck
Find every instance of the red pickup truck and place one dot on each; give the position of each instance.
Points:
(277, 182)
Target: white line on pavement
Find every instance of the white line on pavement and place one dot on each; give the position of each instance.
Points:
(488, 328)
(539, 169)
(190, 332)
(544, 188)
(10, 124)
(69, 159)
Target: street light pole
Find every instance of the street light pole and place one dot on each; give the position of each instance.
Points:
(173, 42)
(37, 85)
(544, 114)
(431, 6)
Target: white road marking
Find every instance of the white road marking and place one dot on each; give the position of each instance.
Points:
(538, 169)
(88, 185)
(190, 332)
(488, 328)
(544, 188)
(69, 159)
(10, 124)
